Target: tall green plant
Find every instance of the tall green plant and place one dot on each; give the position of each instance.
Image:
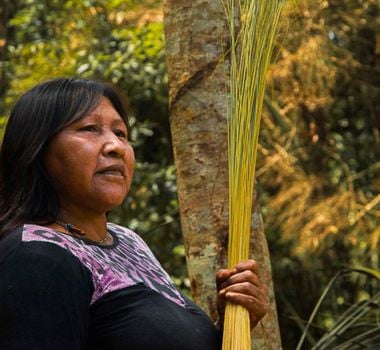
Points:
(358, 327)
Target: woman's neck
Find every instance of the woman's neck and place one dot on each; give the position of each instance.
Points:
(94, 226)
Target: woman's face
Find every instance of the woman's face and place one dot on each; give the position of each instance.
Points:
(91, 162)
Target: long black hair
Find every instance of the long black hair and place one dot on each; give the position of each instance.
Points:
(26, 193)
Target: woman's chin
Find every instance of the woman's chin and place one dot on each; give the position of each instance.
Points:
(107, 203)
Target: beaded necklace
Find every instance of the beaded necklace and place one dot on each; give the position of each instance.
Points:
(75, 231)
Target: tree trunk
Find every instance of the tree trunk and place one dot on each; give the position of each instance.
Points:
(195, 32)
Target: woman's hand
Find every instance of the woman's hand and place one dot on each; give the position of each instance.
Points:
(242, 285)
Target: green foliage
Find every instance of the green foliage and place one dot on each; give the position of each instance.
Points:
(355, 322)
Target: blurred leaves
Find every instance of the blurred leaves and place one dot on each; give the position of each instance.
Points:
(318, 168)
(324, 162)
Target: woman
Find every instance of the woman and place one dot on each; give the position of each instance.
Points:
(68, 279)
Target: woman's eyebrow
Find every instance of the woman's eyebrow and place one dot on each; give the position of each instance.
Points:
(120, 122)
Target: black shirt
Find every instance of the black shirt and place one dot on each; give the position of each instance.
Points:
(59, 292)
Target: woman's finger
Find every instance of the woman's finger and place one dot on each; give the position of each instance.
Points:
(222, 276)
(248, 265)
(256, 308)
(247, 289)
(245, 276)
(248, 268)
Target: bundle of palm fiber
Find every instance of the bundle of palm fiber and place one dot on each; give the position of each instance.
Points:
(253, 25)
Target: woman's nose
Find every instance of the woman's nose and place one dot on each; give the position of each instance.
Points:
(113, 146)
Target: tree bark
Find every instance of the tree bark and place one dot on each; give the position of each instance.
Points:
(196, 33)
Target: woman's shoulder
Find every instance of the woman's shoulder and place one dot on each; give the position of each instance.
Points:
(19, 250)
(122, 230)
(30, 243)
(40, 281)
(125, 233)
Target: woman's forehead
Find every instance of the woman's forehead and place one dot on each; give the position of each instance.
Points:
(104, 110)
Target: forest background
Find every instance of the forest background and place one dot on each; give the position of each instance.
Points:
(319, 155)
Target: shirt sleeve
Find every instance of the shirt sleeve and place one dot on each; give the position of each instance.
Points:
(45, 295)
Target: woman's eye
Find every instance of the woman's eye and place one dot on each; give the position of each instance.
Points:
(121, 134)
(89, 128)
